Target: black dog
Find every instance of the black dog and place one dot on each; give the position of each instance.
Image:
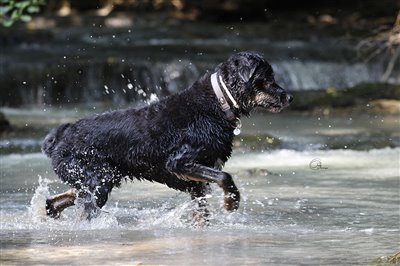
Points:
(181, 141)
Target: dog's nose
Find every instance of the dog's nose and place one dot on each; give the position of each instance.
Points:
(286, 98)
(289, 98)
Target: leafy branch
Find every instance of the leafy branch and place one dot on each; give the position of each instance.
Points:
(13, 10)
(385, 44)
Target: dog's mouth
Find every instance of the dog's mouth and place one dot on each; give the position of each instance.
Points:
(273, 103)
(274, 107)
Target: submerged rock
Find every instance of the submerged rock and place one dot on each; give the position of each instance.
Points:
(257, 142)
(389, 260)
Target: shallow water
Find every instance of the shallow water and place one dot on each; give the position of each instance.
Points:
(345, 213)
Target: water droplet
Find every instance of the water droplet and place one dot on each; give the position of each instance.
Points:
(106, 89)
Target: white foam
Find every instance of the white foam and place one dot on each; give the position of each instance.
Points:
(375, 158)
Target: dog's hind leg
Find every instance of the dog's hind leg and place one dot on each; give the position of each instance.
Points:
(93, 180)
(56, 204)
(182, 164)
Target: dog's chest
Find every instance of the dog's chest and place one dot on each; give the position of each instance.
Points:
(216, 153)
(219, 163)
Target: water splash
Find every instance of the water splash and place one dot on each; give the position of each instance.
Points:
(267, 208)
(37, 205)
(36, 217)
(175, 213)
(167, 216)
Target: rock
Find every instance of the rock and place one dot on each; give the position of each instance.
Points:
(4, 123)
(256, 142)
(386, 106)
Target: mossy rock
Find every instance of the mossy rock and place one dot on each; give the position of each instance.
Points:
(358, 95)
(363, 141)
(256, 142)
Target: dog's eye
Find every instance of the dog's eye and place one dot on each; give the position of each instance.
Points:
(267, 83)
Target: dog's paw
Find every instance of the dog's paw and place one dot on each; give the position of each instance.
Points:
(231, 201)
(51, 210)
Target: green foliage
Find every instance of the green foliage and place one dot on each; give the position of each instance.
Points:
(14, 10)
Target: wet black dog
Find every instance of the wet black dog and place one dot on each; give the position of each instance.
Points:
(181, 141)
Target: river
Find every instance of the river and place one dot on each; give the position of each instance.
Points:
(340, 209)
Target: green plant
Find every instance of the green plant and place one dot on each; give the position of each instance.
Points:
(14, 10)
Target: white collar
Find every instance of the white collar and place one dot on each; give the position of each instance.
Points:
(215, 83)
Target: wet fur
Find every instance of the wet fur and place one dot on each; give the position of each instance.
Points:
(181, 141)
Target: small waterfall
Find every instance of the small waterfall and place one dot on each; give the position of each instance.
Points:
(308, 75)
(115, 82)
(130, 81)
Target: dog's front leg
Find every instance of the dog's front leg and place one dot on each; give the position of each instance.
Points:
(181, 163)
(56, 204)
(197, 172)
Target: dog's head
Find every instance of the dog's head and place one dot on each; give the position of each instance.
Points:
(251, 81)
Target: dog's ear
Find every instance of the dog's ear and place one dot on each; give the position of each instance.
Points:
(246, 69)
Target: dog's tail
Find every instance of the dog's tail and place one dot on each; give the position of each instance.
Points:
(52, 138)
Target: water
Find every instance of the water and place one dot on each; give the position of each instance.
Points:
(346, 213)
